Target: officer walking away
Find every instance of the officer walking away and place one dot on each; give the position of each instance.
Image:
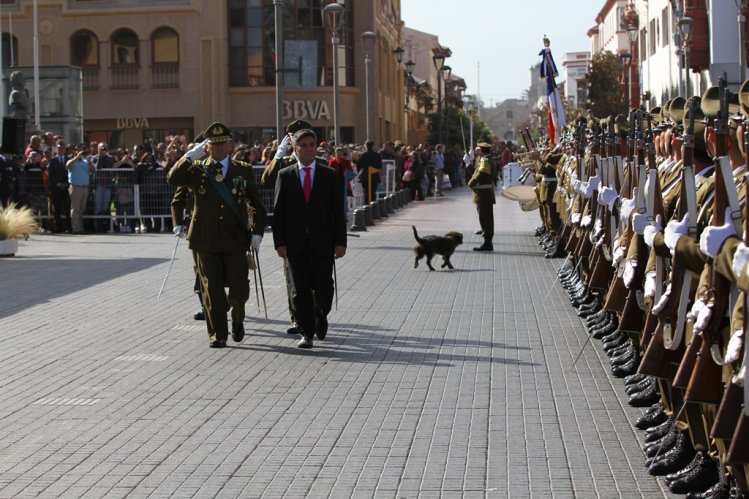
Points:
(228, 220)
(482, 183)
(369, 159)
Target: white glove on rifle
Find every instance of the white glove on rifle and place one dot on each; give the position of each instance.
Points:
(283, 147)
(650, 283)
(628, 276)
(627, 206)
(703, 318)
(639, 222)
(585, 222)
(674, 230)
(576, 186)
(651, 230)
(197, 151)
(619, 253)
(256, 240)
(658, 307)
(575, 218)
(586, 190)
(594, 182)
(740, 259)
(714, 236)
(607, 196)
(695, 311)
(734, 346)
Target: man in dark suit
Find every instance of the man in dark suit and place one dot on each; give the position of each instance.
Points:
(228, 218)
(309, 230)
(58, 186)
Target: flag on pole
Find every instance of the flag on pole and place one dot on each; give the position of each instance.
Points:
(555, 112)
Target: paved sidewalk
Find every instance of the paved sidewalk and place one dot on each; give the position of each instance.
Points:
(430, 384)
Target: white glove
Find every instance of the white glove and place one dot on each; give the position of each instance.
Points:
(714, 236)
(658, 307)
(740, 259)
(639, 222)
(256, 240)
(197, 151)
(703, 318)
(734, 346)
(630, 267)
(607, 196)
(585, 222)
(627, 206)
(697, 306)
(594, 182)
(586, 190)
(179, 231)
(576, 186)
(674, 230)
(575, 218)
(283, 147)
(650, 283)
(619, 253)
(651, 230)
(597, 227)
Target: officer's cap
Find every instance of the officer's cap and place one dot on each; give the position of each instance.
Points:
(484, 146)
(297, 125)
(217, 133)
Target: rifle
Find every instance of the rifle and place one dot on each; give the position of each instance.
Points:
(602, 270)
(705, 383)
(633, 320)
(727, 420)
(666, 348)
(573, 235)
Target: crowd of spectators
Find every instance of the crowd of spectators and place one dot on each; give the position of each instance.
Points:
(424, 170)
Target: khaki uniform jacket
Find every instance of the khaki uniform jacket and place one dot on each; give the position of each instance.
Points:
(215, 227)
(482, 183)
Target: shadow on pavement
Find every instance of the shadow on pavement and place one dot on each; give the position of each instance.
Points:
(68, 276)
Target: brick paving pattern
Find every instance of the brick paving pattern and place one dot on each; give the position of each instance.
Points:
(430, 384)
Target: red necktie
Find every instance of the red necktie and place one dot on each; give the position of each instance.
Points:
(307, 186)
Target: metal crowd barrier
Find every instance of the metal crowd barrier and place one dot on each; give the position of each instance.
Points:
(120, 199)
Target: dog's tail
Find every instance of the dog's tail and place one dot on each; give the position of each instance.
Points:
(416, 235)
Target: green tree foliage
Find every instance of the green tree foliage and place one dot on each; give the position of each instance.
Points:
(451, 132)
(604, 85)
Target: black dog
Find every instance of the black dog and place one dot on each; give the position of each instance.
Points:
(436, 245)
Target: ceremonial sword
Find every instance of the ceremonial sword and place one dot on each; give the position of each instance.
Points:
(171, 262)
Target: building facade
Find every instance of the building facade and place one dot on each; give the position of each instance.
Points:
(575, 67)
(158, 68)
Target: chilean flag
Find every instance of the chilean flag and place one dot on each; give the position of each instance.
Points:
(556, 110)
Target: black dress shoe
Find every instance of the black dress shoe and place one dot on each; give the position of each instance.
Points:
(660, 447)
(657, 432)
(610, 328)
(648, 420)
(305, 342)
(638, 387)
(627, 369)
(718, 491)
(698, 479)
(218, 344)
(484, 247)
(237, 331)
(698, 460)
(635, 378)
(622, 355)
(479, 232)
(199, 315)
(321, 326)
(293, 329)
(647, 397)
(678, 457)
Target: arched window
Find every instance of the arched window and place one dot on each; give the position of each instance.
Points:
(125, 45)
(165, 46)
(164, 58)
(84, 49)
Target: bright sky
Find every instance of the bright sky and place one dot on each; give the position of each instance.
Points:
(503, 36)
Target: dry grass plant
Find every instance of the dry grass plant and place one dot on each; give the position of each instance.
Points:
(15, 221)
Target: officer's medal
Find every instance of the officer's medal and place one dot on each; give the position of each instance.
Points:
(236, 182)
(219, 177)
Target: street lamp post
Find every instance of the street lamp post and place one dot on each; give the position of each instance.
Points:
(334, 15)
(446, 72)
(626, 58)
(278, 13)
(368, 40)
(685, 26)
(439, 63)
(742, 54)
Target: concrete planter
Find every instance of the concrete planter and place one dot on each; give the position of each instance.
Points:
(8, 247)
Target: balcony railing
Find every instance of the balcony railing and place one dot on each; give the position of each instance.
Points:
(123, 78)
(165, 76)
(90, 78)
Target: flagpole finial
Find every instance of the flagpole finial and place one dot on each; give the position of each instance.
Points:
(547, 42)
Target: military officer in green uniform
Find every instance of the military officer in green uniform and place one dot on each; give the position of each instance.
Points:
(228, 219)
(482, 183)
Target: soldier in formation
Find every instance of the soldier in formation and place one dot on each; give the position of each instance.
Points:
(649, 211)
